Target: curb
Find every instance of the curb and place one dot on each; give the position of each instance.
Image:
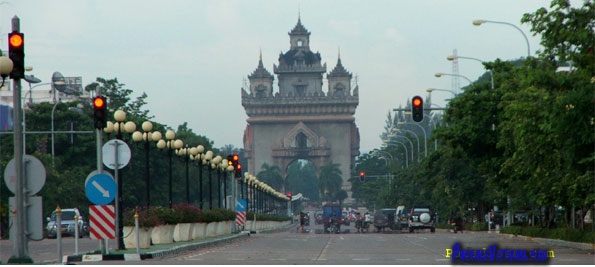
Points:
(169, 251)
(153, 254)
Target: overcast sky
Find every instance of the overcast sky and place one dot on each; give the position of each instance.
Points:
(191, 57)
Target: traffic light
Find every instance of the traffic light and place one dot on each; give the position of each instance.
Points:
(238, 171)
(289, 196)
(99, 112)
(417, 108)
(362, 176)
(237, 167)
(16, 53)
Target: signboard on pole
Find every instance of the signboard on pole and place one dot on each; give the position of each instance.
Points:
(240, 212)
(102, 222)
(100, 189)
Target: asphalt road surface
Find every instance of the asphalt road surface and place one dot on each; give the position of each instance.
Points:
(313, 247)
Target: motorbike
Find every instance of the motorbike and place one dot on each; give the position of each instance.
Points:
(457, 225)
(362, 226)
(333, 225)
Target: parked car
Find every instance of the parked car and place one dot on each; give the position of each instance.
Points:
(68, 224)
(386, 218)
(422, 218)
(403, 216)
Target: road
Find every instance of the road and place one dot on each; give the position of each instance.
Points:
(388, 248)
(291, 247)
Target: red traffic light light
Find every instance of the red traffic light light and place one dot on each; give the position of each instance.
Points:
(98, 102)
(15, 40)
(235, 158)
(417, 108)
(289, 195)
(417, 101)
(99, 112)
(16, 53)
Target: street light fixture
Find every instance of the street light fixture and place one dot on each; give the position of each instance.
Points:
(430, 90)
(423, 130)
(440, 74)
(118, 127)
(185, 155)
(478, 22)
(453, 57)
(199, 156)
(388, 143)
(396, 131)
(171, 145)
(147, 137)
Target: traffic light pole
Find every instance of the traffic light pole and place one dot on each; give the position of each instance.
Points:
(20, 251)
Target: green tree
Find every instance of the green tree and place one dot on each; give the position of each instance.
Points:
(271, 175)
(330, 181)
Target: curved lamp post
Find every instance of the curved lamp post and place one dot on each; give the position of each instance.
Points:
(440, 74)
(430, 90)
(393, 142)
(171, 145)
(118, 127)
(478, 22)
(147, 137)
(396, 131)
(423, 130)
(453, 57)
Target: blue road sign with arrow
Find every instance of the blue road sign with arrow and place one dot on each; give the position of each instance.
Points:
(240, 204)
(101, 189)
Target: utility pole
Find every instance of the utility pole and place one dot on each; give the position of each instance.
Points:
(20, 250)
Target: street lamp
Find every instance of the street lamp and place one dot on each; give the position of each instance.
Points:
(119, 127)
(225, 169)
(207, 159)
(213, 166)
(393, 142)
(396, 131)
(430, 90)
(440, 74)
(423, 130)
(200, 157)
(453, 57)
(185, 155)
(171, 145)
(147, 137)
(394, 134)
(478, 22)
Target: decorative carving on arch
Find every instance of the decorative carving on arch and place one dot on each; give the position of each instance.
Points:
(290, 140)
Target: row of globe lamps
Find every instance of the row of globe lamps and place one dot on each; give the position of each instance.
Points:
(258, 188)
(262, 195)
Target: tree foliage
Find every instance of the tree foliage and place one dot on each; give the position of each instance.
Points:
(526, 145)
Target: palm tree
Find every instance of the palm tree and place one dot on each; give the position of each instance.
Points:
(330, 181)
(271, 175)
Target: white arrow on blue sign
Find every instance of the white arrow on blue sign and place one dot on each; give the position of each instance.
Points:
(101, 189)
(240, 204)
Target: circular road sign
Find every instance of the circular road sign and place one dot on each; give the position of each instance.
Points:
(34, 173)
(110, 154)
(100, 189)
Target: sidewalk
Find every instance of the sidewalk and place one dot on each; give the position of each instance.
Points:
(162, 250)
